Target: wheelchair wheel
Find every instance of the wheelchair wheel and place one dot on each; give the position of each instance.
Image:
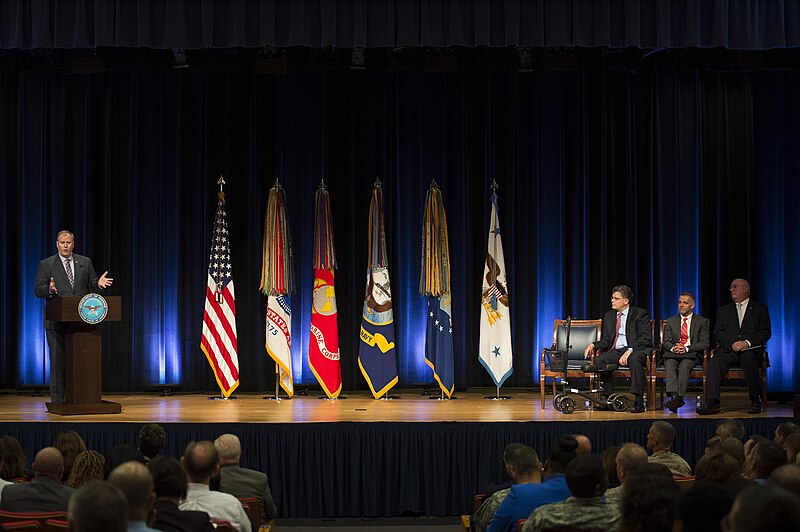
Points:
(568, 405)
(619, 402)
(557, 401)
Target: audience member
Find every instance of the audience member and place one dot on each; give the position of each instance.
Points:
(630, 460)
(88, 466)
(787, 477)
(783, 431)
(170, 486)
(762, 459)
(760, 508)
(136, 483)
(733, 448)
(584, 444)
(44, 493)
(609, 458)
(792, 447)
(13, 461)
(98, 506)
(71, 445)
(730, 428)
(119, 455)
(242, 482)
(712, 444)
(717, 466)
(585, 508)
(201, 462)
(649, 503)
(701, 507)
(512, 454)
(152, 438)
(505, 485)
(659, 440)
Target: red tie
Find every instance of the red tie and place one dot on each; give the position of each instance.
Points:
(616, 335)
(684, 331)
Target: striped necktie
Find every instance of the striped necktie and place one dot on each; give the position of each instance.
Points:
(68, 266)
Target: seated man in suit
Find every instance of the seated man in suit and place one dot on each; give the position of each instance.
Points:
(626, 340)
(741, 332)
(45, 493)
(242, 482)
(686, 336)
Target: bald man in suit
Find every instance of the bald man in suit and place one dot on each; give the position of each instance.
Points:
(686, 336)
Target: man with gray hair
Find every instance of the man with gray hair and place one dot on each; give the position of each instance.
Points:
(98, 506)
(630, 460)
(659, 440)
(135, 481)
(242, 482)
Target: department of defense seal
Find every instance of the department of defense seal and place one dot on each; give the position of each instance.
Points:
(93, 308)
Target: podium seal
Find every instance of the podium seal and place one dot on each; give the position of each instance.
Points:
(92, 308)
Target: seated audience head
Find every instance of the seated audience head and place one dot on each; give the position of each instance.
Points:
(764, 457)
(787, 477)
(783, 430)
(152, 438)
(561, 454)
(701, 507)
(609, 458)
(649, 501)
(169, 478)
(730, 428)
(660, 436)
(119, 455)
(631, 458)
(524, 466)
(792, 447)
(713, 443)
(508, 454)
(586, 476)
(89, 465)
(12, 458)
(584, 444)
(759, 508)
(717, 466)
(71, 445)
(229, 449)
(98, 506)
(733, 448)
(136, 483)
(49, 463)
(200, 461)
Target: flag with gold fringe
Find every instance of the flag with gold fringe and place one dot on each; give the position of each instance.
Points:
(377, 356)
(323, 346)
(494, 350)
(218, 340)
(277, 283)
(435, 284)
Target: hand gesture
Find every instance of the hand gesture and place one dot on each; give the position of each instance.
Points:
(587, 353)
(53, 289)
(104, 281)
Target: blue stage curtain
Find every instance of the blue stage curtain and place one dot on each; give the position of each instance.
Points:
(735, 24)
(663, 179)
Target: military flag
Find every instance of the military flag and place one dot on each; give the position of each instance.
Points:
(377, 356)
(495, 337)
(219, 317)
(277, 283)
(435, 284)
(323, 348)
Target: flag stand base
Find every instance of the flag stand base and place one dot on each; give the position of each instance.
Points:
(274, 398)
(389, 398)
(221, 398)
(443, 398)
(332, 398)
(498, 397)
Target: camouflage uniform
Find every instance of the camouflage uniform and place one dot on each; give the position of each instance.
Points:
(677, 465)
(485, 512)
(614, 495)
(575, 512)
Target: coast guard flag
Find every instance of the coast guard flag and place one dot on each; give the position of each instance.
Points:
(377, 356)
(495, 341)
(219, 318)
(323, 346)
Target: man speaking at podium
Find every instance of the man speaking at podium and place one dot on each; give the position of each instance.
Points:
(65, 274)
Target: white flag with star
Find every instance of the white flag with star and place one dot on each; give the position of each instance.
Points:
(495, 344)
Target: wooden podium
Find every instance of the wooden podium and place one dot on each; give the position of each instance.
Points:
(83, 357)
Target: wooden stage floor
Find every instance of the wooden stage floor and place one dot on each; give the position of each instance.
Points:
(358, 407)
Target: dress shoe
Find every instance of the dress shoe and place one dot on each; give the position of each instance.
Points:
(675, 403)
(755, 407)
(638, 406)
(711, 407)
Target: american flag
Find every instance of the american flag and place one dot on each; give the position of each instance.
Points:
(219, 318)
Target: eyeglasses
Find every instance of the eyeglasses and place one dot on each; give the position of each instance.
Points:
(617, 298)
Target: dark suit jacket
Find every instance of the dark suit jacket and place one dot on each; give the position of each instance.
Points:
(699, 336)
(42, 494)
(637, 330)
(755, 327)
(241, 482)
(82, 269)
(171, 519)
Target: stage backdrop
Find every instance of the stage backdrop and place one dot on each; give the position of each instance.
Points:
(664, 179)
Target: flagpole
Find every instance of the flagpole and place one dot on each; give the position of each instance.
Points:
(277, 396)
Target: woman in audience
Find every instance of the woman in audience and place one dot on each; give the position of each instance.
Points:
(649, 503)
(717, 466)
(12, 460)
(71, 445)
(609, 458)
(88, 466)
(119, 455)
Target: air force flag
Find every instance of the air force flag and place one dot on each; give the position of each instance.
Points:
(439, 342)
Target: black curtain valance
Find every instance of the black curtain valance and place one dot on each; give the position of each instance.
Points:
(647, 24)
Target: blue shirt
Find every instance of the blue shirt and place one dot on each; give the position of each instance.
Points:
(524, 499)
(622, 339)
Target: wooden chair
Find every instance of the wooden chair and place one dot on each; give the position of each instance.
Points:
(624, 372)
(7, 518)
(222, 526)
(250, 505)
(23, 526)
(684, 482)
(737, 373)
(658, 372)
(582, 332)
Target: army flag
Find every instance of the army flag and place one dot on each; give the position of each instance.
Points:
(323, 346)
(435, 284)
(277, 283)
(377, 356)
(495, 333)
(219, 316)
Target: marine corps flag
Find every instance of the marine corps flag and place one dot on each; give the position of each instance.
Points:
(435, 283)
(323, 347)
(219, 317)
(495, 343)
(277, 283)
(377, 355)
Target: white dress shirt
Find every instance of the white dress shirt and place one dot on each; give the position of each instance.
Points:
(219, 506)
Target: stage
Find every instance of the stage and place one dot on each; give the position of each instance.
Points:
(372, 458)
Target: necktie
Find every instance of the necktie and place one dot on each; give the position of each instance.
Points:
(685, 331)
(616, 334)
(69, 273)
(740, 312)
